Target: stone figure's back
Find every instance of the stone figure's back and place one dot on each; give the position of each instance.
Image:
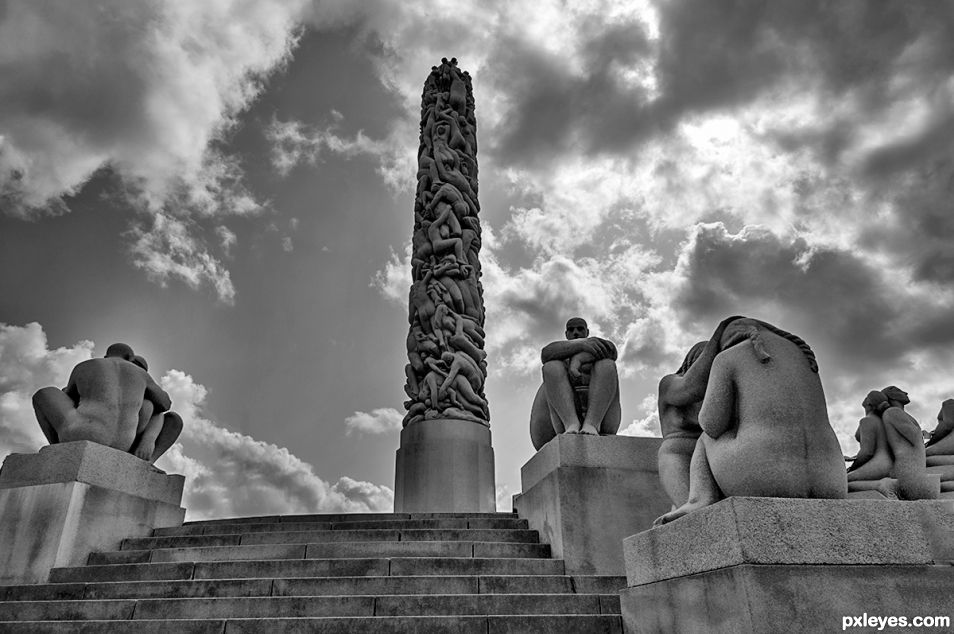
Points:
(779, 441)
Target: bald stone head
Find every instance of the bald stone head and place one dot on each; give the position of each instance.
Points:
(576, 328)
(121, 350)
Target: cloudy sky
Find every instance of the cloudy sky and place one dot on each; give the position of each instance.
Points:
(228, 187)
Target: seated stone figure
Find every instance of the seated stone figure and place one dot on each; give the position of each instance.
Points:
(110, 401)
(680, 397)
(874, 459)
(765, 423)
(891, 458)
(940, 448)
(580, 391)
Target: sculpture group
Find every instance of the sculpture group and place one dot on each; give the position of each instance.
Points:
(446, 366)
(111, 401)
(745, 415)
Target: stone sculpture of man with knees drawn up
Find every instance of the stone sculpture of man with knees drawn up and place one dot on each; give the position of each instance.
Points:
(111, 401)
(580, 391)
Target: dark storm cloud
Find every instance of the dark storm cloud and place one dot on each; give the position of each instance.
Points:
(834, 299)
(716, 56)
(553, 109)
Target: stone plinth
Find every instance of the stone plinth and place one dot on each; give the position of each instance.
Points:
(584, 494)
(789, 565)
(59, 505)
(444, 466)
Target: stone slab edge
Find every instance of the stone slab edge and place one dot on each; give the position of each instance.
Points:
(94, 464)
(742, 530)
(577, 450)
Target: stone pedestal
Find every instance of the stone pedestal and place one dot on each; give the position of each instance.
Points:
(788, 565)
(59, 505)
(584, 494)
(444, 466)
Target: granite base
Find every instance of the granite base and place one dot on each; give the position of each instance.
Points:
(584, 494)
(71, 499)
(444, 466)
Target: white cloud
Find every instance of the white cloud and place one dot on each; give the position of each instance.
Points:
(26, 365)
(382, 420)
(149, 91)
(227, 473)
(648, 424)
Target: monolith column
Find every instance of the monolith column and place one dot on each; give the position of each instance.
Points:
(445, 462)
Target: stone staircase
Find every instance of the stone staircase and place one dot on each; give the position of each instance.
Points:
(418, 572)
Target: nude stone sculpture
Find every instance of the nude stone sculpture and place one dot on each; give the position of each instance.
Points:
(939, 450)
(111, 401)
(447, 369)
(891, 455)
(680, 397)
(765, 423)
(580, 391)
(874, 459)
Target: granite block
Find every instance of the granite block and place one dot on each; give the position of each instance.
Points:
(742, 530)
(91, 463)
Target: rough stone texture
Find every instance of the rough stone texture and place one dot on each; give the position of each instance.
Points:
(786, 598)
(792, 531)
(91, 463)
(444, 466)
(446, 367)
(77, 507)
(584, 494)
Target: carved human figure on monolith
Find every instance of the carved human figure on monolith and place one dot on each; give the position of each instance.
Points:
(765, 423)
(680, 397)
(580, 391)
(446, 370)
(111, 401)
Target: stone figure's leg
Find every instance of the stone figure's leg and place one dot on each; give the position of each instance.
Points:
(556, 381)
(887, 487)
(703, 489)
(171, 428)
(603, 394)
(145, 414)
(56, 414)
(675, 457)
(541, 427)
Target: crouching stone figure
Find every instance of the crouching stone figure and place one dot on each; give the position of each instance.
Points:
(580, 391)
(111, 401)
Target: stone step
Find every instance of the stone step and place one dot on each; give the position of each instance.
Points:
(309, 606)
(509, 624)
(328, 550)
(320, 536)
(278, 568)
(505, 521)
(316, 586)
(343, 517)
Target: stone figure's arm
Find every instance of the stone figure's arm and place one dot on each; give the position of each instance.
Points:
(71, 389)
(866, 450)
(157, 396)
(945, 422)
(560, 350)
(691, 386)
(718, 406)
(577, 361)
